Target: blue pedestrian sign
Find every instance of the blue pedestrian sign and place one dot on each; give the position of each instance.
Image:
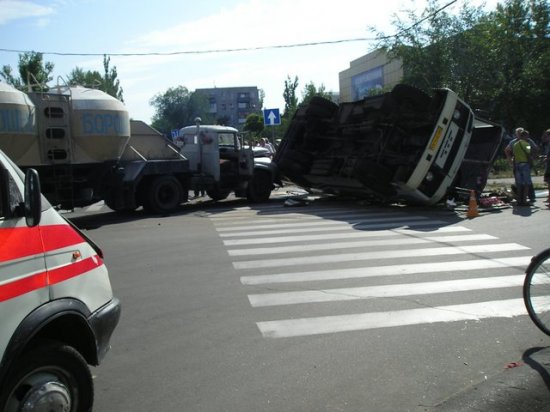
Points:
(272, 117)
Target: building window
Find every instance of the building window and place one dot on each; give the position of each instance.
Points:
(213, 105)
(363, 82)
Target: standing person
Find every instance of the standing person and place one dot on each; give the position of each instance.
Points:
(546, 142)
(265, 143)
(518, 152)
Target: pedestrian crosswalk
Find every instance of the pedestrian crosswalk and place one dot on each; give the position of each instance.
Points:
(301, 269)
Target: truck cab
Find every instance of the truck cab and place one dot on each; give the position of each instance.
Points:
(57, 310)
(220, 163)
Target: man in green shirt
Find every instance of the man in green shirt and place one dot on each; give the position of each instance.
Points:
(519, 152)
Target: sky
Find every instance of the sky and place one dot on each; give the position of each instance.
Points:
(76, 33)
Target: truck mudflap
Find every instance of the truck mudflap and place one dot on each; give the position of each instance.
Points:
(103, 322)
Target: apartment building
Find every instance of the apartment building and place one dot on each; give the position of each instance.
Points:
(231, 105)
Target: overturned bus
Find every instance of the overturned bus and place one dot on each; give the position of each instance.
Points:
(401, 146)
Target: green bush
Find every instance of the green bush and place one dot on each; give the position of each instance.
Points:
(501, 168)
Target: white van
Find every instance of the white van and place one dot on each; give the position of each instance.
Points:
(57, 310)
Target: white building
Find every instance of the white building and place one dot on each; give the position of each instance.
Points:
(372, 71)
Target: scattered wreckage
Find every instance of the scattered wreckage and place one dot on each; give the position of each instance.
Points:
(401, 146)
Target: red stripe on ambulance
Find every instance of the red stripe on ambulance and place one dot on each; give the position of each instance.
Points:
(21, 286)
(19, 242)
(41, 280)
(74, 269)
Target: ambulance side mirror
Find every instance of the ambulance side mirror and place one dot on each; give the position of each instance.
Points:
(33, 198)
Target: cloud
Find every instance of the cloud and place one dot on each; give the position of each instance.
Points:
(20, 9)
(253, 23)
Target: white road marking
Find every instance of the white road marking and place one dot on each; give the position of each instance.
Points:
(388, 270)
(248, 220)
(387, 254)
(346, 245)
(342, 235)
(384, 291)
(251, 228)
(364, 321)
(283, 233)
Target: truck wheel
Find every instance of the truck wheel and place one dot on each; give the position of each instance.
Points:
(54, 377)
(164, 195)
(216, 193)
(124, 209)
(259, 188)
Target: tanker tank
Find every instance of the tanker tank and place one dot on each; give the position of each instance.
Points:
(18, 130)
(100, 126)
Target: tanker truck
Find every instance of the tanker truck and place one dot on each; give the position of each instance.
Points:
(86, 148)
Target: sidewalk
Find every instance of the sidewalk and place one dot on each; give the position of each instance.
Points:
(507, 181)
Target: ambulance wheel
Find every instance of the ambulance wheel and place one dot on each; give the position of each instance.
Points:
(53, 377)
(259, 188)
(163, 195)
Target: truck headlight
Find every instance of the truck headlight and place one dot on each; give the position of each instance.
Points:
(429, 176)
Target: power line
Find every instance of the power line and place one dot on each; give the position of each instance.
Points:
(240, 49)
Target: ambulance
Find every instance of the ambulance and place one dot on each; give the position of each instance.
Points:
(57, 310)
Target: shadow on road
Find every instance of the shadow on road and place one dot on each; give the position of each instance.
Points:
(540, 365)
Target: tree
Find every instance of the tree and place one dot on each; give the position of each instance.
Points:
(497, 62)
(108, 82)
(289, 95)
(177, 107)
(111, 83)
(87, 78)
(33, 72)
(311, 90)
(435, 50)
(521, 32)
(254, 124)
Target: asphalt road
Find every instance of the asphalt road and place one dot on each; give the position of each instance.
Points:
(333, 306)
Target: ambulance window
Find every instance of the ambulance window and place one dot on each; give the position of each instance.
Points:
(10, 196)
(14, 198)
(2, 201)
